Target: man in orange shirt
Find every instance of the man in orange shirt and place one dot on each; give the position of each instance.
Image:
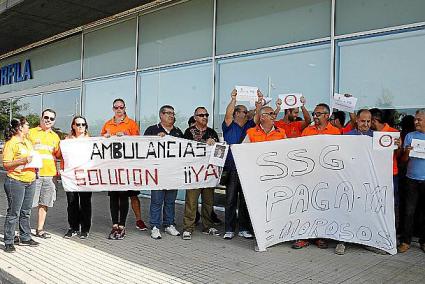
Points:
(290, 123)
(265, 130)
(121, 125)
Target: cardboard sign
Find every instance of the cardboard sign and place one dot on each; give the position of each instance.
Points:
(290, 100)
(385, 140)
(418, 149)
(344, 103)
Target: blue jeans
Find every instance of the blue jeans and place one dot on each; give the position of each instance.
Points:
(19, 198)
(158, 198)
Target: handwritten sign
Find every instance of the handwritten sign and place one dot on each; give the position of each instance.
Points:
(318, 187)
(385, 140)
(290, 100)
(418, 149)
(344, 103)
(246, 94)
(136, 163)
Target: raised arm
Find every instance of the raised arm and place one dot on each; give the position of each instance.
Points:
(228, 118)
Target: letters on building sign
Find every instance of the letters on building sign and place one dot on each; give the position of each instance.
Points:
(13, 73)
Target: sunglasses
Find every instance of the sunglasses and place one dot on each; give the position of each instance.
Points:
(119, 107)
(270, 113)
(81, 124)
(317, 114)
(48, 118)
(203, 115)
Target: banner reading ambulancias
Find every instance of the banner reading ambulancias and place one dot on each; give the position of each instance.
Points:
(328, 186)
(136, 163)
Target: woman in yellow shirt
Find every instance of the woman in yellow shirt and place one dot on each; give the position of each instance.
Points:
(19, 184)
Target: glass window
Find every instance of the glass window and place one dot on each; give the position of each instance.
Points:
(251, 24)
(188, 36)
(362, 15)
(29, 106)
(56, 62)
(384, 71)
(4, 120)
(66, 104)
(303, 70)
(98, 98)
(184, 88)
(110, 50)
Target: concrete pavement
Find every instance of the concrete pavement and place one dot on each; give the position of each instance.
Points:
(204, 259)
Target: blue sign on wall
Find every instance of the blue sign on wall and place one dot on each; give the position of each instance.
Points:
(13, 73)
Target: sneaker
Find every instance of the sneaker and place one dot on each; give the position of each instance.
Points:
(187, 235)
(9, 248)
(403, 247)
(228, 235)
(211, 232)
(70, 233)
(141, 225)
(30, 243)
(155, 234)
(299, 244)
(321, 244)
(246, 234)
(340, 249)
(171, 230)
(42, 234)
(84, 235)
(120, 234)
(113, 233)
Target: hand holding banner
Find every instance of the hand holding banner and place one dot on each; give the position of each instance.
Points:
(344, 103)
(385, 140)
(290, 100)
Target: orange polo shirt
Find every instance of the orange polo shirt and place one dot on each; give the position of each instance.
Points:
(126, 126)
(257, 134)
(329, 129)
(388, 128)
(292, 129)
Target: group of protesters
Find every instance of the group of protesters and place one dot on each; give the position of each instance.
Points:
(29, 185)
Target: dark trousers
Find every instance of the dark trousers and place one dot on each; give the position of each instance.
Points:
(118, 203)
(79, 210)
(233, 193)
(415, 200)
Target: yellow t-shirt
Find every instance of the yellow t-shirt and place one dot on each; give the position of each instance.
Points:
(15, 149)
(46, 143)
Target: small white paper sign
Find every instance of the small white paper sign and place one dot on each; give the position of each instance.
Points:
(385, 140)
(418, 149)
(344, 103)
(266, 100)
(290, 100)
(219, 154)
(246, 93)
(36, 162)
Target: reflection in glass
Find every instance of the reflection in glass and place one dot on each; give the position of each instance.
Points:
(301, 70)
(30, 107)
(184, 88)
(98, 98)
(4, 118)
(66, 104)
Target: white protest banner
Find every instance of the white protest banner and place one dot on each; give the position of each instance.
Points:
(385, 140)
(290, 100)
(325, 186)
(246, 94)
(344, 103)
(418, 149)
(136, 163)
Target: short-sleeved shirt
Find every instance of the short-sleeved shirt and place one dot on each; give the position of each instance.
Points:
(15, 149)
(329, 129)
(388, 128)
(46, 143)
(193, 133)
(234, 134)
(126, 126)
(257, 134)
(357, 132)
(415, 166)
(158, 128)
(292, 129)
(347, 128)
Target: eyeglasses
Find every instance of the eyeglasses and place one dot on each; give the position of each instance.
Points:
(81, 124)
(169, 113)
(119, 107)
(203, 115)
(269, 113)
(46, 117)
(317, 114)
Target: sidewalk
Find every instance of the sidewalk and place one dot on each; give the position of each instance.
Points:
(204, 259)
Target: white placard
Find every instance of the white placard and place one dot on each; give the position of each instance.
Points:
(219, 154)
(246, 94)
(290, 100)
(36, 162)
(344, 103)
(385, 140)
(324, 186)
(136, 163)
(418, 150)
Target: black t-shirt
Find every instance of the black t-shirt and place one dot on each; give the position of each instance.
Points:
(157, 128)
(193, 133)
